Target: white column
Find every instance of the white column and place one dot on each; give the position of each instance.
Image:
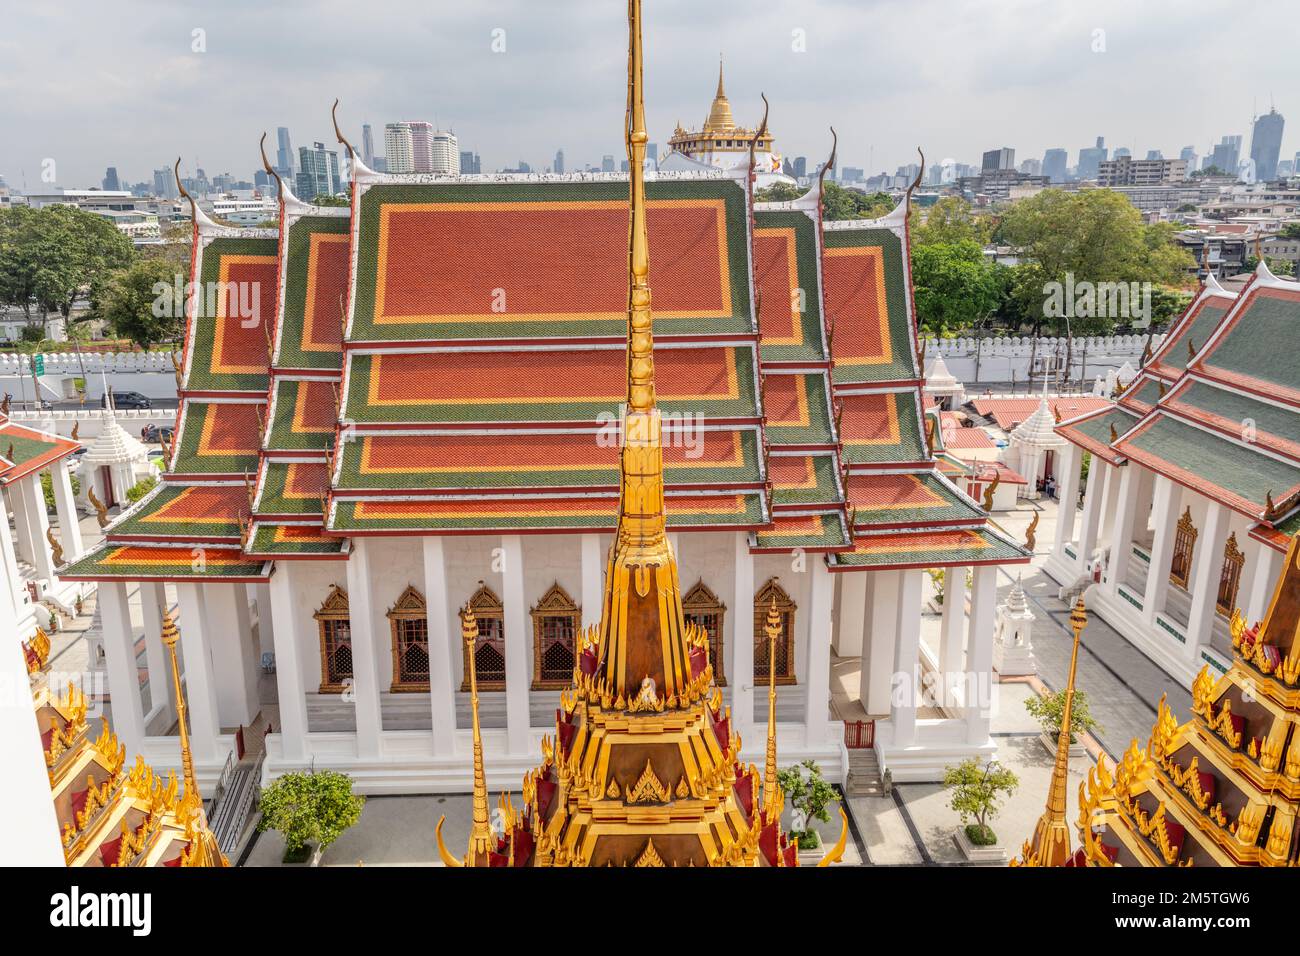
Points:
(1204, 585)
(33, 837)
(519, 676)
(906, 688)
(153, 601)
(364, 618)
(234, 662)
(66, 509)
(442, 639)
(851, 621)
(1121, 545)
(952, 634)
(37, 523)
(1092, 505)
(1164, 510)
(876, 674)
(1068, 492)
(1263, 567)
(1030, 463)
(120, 664)
(592, 576)
(11, 582)
(200, 683)
(818, 682)
(1108, 494)
(979, 664)
(22, 527)
(289, 679)
(265, 619)
(741, 638)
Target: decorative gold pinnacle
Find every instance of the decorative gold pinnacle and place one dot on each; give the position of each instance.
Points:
(169, 636)
(771, 792)
(480, 838)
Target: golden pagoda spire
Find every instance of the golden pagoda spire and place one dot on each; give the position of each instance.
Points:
(170, 634)
(720, 119)
(771, 794)
(480, 837)
(1051, 842)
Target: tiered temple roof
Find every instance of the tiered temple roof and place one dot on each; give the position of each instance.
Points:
(1217, 406)
(1222, 789)
(25, 451)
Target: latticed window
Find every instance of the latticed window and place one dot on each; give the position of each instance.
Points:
(769, 592)
(1180, 569)
(335, 628)
(1230, 576)
(556, 621)
(490, 648)
(702, 608)
(409, 623)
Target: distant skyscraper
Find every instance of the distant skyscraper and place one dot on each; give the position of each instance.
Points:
(1226, 153)
(164, 183)
(1004, 158)
(318, 172)
(1188, 155)
(368, 145)
(421, 146)
(1090, 159)
(558, 166)
(1266, 145)
(800, 166)
(398, 149)
(284, 153)
(111, 183)
(607, 164)
(1054, 163)
(470, 163)
(1032, 167)
(652, 155)
(1155, 154)
(1122, 151)
(444, 153)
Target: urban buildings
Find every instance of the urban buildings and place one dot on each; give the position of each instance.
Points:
(1055, 162)
(399, 150)
(557, 167)
(1266, 145)
(1126, 171)
(111, 183)
(1091, 158)
(367, 145)
(284, 164)
(318, 171)
(997, 159)
(1224, 156)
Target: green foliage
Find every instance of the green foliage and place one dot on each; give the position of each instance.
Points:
(1208, 171)
(1049, 710)
(956, 286)
(981, 835)
(838, 203)
(47, 488)
(1095, 235)
(810, 796)
(141, 488)
(951, 220)
(139, 303)
(1290, 231)
(977, 792)
(325, 199)
(313, 807)
(1279, 267)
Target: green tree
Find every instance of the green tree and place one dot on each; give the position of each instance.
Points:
(838, 203)
(1049, 710)
(141, 488)
(951, 220)
(47, 488)
(305, 808)
(976, 795)
(140, 302)
(325, 199)
(810, 796)
(956, 286)
(1279, 267)
(1290, 231)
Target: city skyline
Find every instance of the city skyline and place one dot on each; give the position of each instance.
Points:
(935, 93)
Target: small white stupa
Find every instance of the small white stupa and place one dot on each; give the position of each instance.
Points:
(942, 384)
(113, 462)
(1031, 440)
(1013, 649)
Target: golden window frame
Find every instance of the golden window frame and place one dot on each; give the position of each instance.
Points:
(555, 604)
(700, 601)
(786, 607)
(1229, 576)
(487, 608)
(410, 606)
(333, 609)
(1184, 547)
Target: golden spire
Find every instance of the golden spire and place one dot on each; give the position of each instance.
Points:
(1051, 843)
(170, 635)
(770, 790)
(480, 837)
(720, 119)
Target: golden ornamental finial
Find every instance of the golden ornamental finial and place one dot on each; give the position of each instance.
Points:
(771, 792)
(480, 838)
(170, 634)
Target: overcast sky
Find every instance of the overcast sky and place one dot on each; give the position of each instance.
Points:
(93, 84)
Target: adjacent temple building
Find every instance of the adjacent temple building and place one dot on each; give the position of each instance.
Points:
(1193, 490)
(422, 406)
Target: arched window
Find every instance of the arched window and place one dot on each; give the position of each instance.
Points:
(703, 609)
(490, 648)
(556, 622)
(784, 643)
(1180, 568)
(409, 623)
(1230, 575)
(335, 630)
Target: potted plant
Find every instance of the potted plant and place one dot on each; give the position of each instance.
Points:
(309, 808)
(79, 604)
(810, 797)
(54, 623)
(976, 794)
(1048, 710)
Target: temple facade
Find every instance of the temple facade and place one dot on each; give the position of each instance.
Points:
(416, 405)
(1192, 488)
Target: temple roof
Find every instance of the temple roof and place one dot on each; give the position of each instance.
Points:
(24, 451)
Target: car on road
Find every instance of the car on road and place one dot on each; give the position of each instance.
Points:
(128, 400)
(155, 434)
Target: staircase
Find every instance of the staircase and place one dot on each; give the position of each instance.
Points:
(864, 774)
(235, 803)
